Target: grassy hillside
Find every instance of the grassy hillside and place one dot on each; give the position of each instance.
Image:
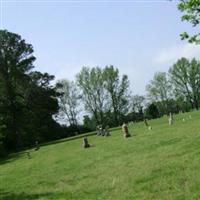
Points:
(162, 164)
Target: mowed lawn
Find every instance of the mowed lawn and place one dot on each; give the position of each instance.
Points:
(163, 163)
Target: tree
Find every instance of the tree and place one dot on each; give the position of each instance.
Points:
(16, 62)
(159, 90)
(191, 10)
(68, 100)
(118, 92)
(138, 103)
(152, 111)
(42, 105)
(89, 123)
(27, 100)
(91, 82)
(185, 76)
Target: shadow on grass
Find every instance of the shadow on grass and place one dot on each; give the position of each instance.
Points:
(77, 137)
(14, 156)
(24, 196)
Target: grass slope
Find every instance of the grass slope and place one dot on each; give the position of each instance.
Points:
(159, 164)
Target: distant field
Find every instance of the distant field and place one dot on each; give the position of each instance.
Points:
(163, 163)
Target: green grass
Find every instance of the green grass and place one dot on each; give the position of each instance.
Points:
(161, 164)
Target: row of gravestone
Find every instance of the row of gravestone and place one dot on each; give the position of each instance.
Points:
(171, 119)
(102, 131)
(106, 132)
(125, 131)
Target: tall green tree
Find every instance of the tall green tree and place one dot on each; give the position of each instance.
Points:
(138, 102)
(41, 105)
(16, 62)
(69, 101)
(152, 112)
(118, 92)
(89, 123)
(90, 82)
(159, 90)
(191, 10)
(27, 99)
(185, 76)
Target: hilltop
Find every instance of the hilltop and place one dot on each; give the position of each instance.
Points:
(162, 163)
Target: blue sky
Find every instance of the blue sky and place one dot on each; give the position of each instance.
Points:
(138, 37)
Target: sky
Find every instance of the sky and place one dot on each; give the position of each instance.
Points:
(137, 37)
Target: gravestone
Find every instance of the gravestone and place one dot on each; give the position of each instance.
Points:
(125, 130)
(98, 130)
(107, 132)
(103, 131)
(37, 146)
(85, 143)
(147, 124)
(170, 120)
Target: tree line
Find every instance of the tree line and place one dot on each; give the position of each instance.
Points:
(177, 90)
(104, 94)
(32, 109)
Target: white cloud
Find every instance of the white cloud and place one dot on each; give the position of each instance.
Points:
(172, 54)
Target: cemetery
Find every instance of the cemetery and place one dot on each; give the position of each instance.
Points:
(160, 163)
(99, 100)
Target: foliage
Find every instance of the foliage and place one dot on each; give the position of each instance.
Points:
(104, 93)
(191, 10)
(89, 123)
(27, 101)
(138, 103)
(16, 62)
(185, 76)
(152, 112)
(159, 90)
(118, 92)
(29, 104)
(90, 81)
(68, 101)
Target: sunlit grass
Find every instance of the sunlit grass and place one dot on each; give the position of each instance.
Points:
(159, 164)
